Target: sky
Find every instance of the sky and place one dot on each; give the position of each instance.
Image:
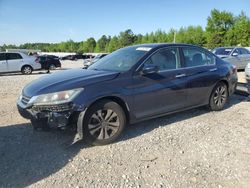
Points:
(53, 21)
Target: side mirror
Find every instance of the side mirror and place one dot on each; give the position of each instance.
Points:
(150, 69)
(235, 54)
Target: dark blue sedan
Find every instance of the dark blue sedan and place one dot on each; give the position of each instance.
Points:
(129, 85)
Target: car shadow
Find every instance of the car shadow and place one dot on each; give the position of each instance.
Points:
(33, 73)
(20, 74)
(149, 125)
(28, 156)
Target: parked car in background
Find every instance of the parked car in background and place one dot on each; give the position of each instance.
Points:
(72, 57)
(68, 57)
(49, 62)
(127, 86)
(86, 64)
(238, 56)
(18, 62)
(247, 72)
(53, 56)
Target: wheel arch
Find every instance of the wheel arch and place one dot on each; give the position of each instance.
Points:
(223, 81)
(117, 100)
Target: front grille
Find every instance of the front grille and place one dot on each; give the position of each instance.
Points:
(25, 100)
(53, 108)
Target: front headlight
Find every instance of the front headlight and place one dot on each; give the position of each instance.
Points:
(55, 98)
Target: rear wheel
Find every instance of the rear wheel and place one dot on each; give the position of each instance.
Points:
(52, 67)
(218, 97)
(26, 69)
(103, 123)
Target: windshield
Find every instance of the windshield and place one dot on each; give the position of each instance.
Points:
(121, 60)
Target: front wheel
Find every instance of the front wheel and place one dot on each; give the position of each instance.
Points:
(218, 97)
(103, 123)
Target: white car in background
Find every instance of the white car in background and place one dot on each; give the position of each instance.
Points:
(18, 62)
(247, 71)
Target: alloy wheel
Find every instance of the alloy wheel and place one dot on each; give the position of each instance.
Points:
(27, 70)
(220, 96)
(104, 124)
(52, 67)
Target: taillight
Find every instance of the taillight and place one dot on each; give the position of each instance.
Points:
(37, 60)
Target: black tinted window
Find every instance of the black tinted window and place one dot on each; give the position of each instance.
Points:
(11, 56)
(165, 59)
(195, 57)
(2, 56)
(42, 58)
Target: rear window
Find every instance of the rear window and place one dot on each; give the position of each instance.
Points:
(12, 56)
(42, 58)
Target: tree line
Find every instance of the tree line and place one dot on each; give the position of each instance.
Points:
(222, 29)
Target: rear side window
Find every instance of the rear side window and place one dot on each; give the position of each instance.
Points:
(165, 59)
(2, 57)
(11, 56)
(194, 57)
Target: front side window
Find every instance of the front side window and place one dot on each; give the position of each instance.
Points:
(2, 57)
(165, 59)
(194, 57)
(12, 56)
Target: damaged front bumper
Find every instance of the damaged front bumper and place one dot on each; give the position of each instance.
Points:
(54, 116)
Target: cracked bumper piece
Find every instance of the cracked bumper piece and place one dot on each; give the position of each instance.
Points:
(55, 115)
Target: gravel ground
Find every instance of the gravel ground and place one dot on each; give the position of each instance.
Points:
(195, 148)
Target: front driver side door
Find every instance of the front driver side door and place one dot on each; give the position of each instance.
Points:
(160, 92)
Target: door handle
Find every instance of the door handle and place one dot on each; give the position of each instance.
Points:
(212, 70)
(180, 75)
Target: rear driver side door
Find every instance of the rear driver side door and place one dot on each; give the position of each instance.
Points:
(201, 75)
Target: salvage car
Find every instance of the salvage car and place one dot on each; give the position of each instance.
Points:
(238, 56)
(129, 85)
(18, 62)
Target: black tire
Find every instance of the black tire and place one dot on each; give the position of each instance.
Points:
(103, 119)
(26, 69)
(52, 66)
(218, 97)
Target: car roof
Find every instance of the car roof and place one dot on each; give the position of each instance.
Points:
(159, 45)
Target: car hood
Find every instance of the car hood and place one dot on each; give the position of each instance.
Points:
(66, 80)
